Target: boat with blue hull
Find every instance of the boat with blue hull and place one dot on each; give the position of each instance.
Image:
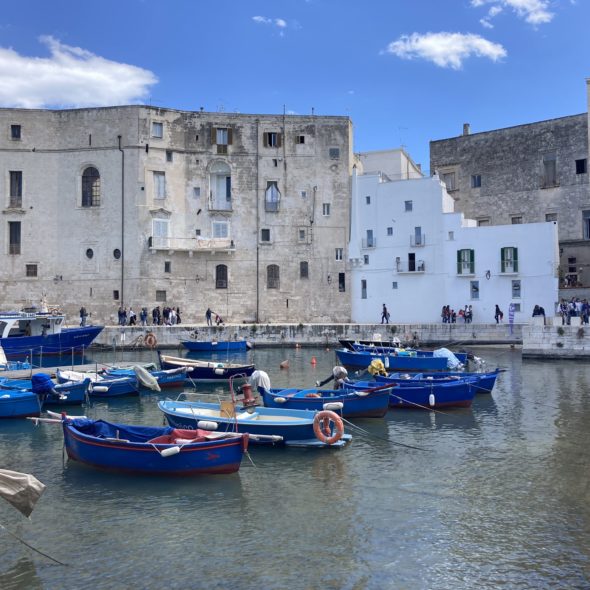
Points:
(274, 426)
(430, 395)
(399, 362)
(152, 450)
(370, 403)
(216, 345)
(27, 333)
(54, 394)
(397, 351)
(19, 404)
(200, 370)
(484, 381)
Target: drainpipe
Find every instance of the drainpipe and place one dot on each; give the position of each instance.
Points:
(122, 221)
(257, 226)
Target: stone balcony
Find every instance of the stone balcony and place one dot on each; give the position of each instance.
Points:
(191, 245)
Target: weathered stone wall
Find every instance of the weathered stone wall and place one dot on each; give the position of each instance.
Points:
(556, 340)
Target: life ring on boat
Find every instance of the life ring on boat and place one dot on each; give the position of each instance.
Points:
(150, 340)
(322, 430)
(312, 395)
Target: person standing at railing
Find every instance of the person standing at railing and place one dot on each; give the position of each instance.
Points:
(208, 316)
(83, 316)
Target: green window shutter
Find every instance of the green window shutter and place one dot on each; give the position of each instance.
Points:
(503, 259)
(472, 261)
(515, 258)
(459, 262)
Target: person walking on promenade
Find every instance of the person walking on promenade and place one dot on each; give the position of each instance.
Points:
(208, 316)
(384, 315)
(498, 315)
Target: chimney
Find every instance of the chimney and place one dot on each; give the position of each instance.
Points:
(466, 129)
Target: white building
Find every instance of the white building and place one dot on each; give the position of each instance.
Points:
(409, 250)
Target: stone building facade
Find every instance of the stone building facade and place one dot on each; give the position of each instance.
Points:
(144, 206)
(529, 173)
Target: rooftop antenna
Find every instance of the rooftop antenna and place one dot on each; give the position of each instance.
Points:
(312, 111)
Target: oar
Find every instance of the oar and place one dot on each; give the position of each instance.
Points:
(371, 390)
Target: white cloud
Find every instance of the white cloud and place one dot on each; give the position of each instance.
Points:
(534, 12)
(279, 23)
(447, 50)
(71, 77)
(263, 20)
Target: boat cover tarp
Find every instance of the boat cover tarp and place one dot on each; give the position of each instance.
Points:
(22, 490)
(452, 361)
(42, 384)
(104, 429)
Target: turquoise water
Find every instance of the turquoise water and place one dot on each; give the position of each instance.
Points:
(499, 498)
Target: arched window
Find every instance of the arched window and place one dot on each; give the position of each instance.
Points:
(221, 276)
(90, 187)
(272, 277)
(220, 185)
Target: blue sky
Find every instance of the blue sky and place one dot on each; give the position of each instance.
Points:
(405, 71)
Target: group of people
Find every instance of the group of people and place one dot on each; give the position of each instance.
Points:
(167, 316)
(209, 317)
(573, 308)
(449, 316)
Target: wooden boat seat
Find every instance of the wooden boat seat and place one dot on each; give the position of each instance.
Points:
(247, 416)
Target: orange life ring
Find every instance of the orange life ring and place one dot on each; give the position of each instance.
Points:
(150, 340)
(312, 395)
(322, 430)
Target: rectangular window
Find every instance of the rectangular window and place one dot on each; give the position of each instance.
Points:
(586, 222)
(220, 229)
(14, 237)
(16, 188)
(516, 306)
(390, 231)
(196, 191)
(366, 259)
(167, 266)
(302, 234)
(15, 132)
(116, 295)
(272, 196)
(303, 270)
(516, 289)
(509, 259)
(449, 180)
(476, 181)
(394, 285)
(160, 235)
(339, 253)
(158, 130)
(304, 194)
(300, 139)
(168, 156)
(451, 235)
(265, 235)
(334, 153)
(549, 171)
(550, 216)
(160, 295)
(408, 205)
(31, 270)
(272, 139)
(368, 200)
(517, 219)
(326, 209)
(341, 282)
(370, 241)
(474, 289)
(465, 262)
(159, 185)
(582, 166)
(363, 289)
(484, 222)
(222, 137)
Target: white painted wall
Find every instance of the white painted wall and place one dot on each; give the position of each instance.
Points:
(419, 296)
(396, 164)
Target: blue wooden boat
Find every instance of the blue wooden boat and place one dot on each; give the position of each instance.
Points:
(58, 394)
(19, 404)
(272, 425)
(199, 370)
(399, 362)
(415, 395)
(397, 351)
(371, 403)
(152, 450)
(166, 378)
(484, 381)
(32, 332)
(216, 345)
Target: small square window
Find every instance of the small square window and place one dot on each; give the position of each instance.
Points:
(31, 270)
(168, 156)
(550, 216)
(326, 209)
(517, 219)
(272, 139)
(302, 235)
(476, 181)
(368, 199)
(15, 132)
(157, 130)
(394, 285)
(167, 266)
(160, 295)
(516, 306)
(408, 205)
(116, 295)
(483, 222)
(197, 232)
(304, 194)
(581, 166)
(334, 153)
(390, 231)
(366, 258)
(300, 139)
(265, 235)
(339, 253)
(196, 191)
(516, 289)
(451, 235)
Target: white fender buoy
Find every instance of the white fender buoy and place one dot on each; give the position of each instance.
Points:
(170, 451)
(386, 363)
(207, 425)
(280, 400)
(431, 399)
(219, 371)
(100, 388)
(333, 406)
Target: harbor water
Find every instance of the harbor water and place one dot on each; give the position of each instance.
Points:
(495, 496)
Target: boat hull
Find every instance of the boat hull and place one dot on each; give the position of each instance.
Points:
(393, 362)
(484, 382)
(18, 404)
(199, 370)
(202, 458)
(214, 346)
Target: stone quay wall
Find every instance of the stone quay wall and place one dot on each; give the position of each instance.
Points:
(552, 339)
